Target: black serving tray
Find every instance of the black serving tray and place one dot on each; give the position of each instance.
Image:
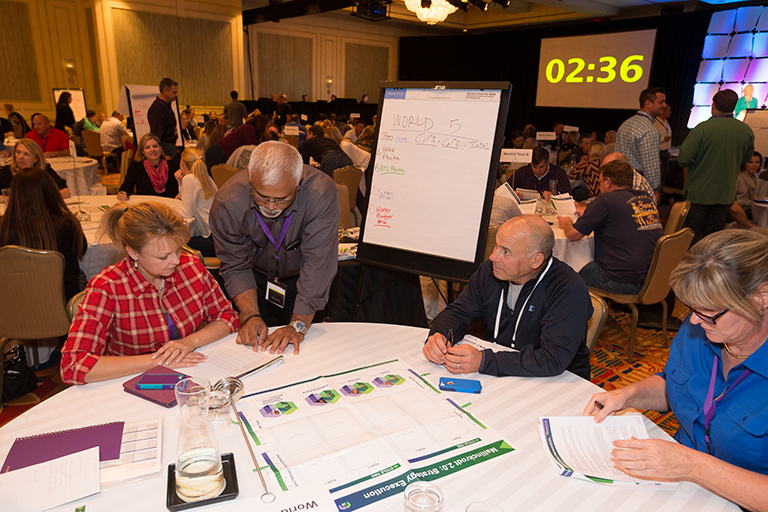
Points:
(230, 492)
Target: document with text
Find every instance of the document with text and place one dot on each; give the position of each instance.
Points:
(581, 448)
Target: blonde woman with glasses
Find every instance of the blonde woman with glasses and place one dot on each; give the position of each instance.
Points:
(716, 378)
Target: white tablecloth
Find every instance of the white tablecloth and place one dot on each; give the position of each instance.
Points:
(101, 253)
(82, 175)
(524, 480)
(575, 254)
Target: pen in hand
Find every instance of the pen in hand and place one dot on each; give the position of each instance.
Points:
(449, 338)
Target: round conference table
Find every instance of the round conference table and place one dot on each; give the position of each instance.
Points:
(81, 173)
(101, 252)
(524, 480)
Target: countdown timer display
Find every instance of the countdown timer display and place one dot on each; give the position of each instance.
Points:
(597, 71)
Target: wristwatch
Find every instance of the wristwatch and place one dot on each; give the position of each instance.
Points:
(299, 326)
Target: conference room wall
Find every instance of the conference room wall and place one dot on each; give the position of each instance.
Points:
(513, 56)
(197, 43)
(45, 47)
(320, 43)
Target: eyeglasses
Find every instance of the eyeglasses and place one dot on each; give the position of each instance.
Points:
(263, 201)
(712, 320)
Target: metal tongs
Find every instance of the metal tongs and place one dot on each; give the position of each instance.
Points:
(234, 388)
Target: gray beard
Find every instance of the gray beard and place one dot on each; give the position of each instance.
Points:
(270, 214)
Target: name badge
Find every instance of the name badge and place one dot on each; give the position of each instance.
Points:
(276, 293)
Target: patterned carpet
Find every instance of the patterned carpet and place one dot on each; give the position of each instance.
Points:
(610, 369)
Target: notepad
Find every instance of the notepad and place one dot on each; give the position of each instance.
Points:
(31, 450)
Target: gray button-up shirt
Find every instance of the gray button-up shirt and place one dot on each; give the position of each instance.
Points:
(242, 246)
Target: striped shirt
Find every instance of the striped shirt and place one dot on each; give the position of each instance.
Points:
(122, 314)
(639, 141)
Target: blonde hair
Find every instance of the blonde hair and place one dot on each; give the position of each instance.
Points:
(597, 151)
(140, 150)
(135, 226)
(334, 134)
(34, 147)
(723, 270)
(194, 161)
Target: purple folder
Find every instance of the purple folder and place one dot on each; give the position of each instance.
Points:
(28, 451)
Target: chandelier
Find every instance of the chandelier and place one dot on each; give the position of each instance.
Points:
(430, 11)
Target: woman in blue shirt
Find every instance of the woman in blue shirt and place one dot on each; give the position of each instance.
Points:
(716, 378)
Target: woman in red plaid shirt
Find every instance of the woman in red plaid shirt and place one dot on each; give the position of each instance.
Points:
(146, 310)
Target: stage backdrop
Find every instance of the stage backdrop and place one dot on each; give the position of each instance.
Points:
(514, 56)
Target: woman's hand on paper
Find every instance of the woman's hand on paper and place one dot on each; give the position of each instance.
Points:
(601, 405)
(654, 459)
(178, 354)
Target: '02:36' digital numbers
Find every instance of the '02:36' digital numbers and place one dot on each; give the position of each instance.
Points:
(629, 72)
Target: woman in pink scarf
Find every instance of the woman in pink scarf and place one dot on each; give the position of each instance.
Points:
(150, 173)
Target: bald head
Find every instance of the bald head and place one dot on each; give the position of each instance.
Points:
(539, 236)
(614, 157)
(523, 244)
(42, 125)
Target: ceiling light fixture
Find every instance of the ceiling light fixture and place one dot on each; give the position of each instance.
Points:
(430, 11)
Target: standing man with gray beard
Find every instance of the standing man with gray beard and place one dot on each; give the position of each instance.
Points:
(276, 233)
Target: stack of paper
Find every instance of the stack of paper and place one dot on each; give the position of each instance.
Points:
(564, 205)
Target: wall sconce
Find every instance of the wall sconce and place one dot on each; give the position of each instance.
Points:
(69, 67)
(328, 84)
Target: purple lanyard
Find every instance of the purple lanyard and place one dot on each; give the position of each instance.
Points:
(711, 403)
(283, 232)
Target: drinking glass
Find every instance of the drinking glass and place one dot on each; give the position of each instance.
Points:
(423, 497)
(553, 191)
(219, 412)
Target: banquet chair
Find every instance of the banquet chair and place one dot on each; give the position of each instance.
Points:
(74, 304)
(345, 220)
(677, 216)
(350, 176)
(597, 321)
(32, 306)
(93, 147)
(113, 181)
(670, 250)
(293, 140)
(18, 130)
(221, 173)
(210, 263)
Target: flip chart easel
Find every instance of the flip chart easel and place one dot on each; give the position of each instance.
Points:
(135, 101)
(78, 101)
(432, 176)
(431, 179)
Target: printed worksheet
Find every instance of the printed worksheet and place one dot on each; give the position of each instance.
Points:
(364, 434)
